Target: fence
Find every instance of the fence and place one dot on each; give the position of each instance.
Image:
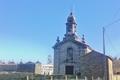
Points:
(64, 77)
(50, 77)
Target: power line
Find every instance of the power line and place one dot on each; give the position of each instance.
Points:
(105, 65)
(111, 43)
(114, 16)
(116, 13)
(108, 25)
(116, 21)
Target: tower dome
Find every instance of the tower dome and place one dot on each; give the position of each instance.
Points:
(71, 18)
(71, 25)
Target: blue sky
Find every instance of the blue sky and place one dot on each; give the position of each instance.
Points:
(28, 28)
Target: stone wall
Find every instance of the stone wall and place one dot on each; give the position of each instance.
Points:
(110, 68)
(92, 65)
(116, 66)
(116, 77)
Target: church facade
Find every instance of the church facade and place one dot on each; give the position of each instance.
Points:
(72, 56)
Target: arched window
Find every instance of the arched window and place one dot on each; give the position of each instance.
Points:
(69, 54)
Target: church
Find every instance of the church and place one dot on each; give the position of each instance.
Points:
(72, 56)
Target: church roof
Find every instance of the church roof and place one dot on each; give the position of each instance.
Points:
(74, 41)
(98, 53)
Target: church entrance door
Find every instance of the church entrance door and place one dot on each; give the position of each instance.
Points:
(69, 70)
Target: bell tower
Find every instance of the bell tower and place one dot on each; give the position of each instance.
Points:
(71, 29)
(71, 25)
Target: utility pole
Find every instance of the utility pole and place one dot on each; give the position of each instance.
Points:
(105, 59)
(103, 40)
(105, 63)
